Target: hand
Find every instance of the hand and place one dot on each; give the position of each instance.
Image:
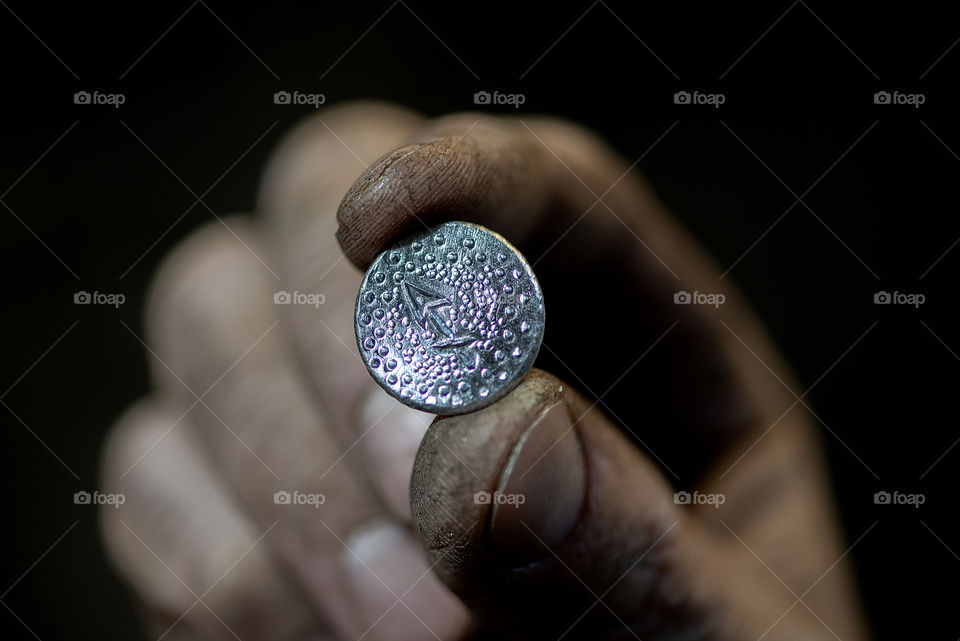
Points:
(252, 398)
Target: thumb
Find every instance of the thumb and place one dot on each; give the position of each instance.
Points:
(548, 523)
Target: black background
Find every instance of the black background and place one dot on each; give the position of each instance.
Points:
(81, 208)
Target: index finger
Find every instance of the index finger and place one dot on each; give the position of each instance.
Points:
(608, 256)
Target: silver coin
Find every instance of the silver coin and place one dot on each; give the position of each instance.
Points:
(449, 321)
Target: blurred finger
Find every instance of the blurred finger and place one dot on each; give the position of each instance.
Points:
(218, 345)
(301, 189)
(198, 564)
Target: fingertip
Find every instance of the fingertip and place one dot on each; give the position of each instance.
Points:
(190, 317)
(466, 454)
(371, 214)
(487, 171)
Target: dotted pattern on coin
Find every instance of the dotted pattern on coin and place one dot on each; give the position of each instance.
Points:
(451, 320)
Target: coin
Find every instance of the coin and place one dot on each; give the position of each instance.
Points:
(450, 320)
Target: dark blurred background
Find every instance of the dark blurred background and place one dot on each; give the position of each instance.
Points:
(93, 196)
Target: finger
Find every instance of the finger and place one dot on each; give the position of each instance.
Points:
(580, 536)
(218, 346)
(196, 562)
(302, 187)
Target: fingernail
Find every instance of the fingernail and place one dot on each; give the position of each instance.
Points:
(384, 561)
(540, 491)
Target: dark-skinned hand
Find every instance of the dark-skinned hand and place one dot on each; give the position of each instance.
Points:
(638, 398)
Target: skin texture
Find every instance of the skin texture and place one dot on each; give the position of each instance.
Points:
(401, 548)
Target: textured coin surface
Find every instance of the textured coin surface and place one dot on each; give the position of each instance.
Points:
(450, 320)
